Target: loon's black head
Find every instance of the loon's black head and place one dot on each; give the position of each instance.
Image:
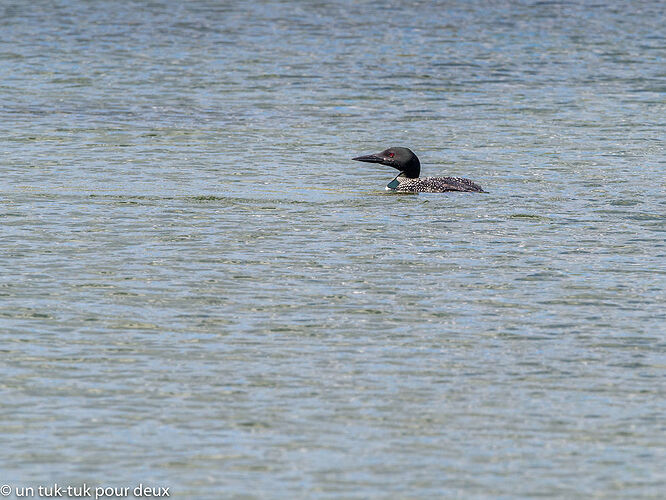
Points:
(402, 159)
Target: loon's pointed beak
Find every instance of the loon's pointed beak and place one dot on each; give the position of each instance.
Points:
(370, 159)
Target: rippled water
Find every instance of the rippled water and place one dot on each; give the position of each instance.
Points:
(201, 291)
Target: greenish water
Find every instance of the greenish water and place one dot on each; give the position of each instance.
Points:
(200, 290)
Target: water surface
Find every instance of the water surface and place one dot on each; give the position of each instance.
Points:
(200, 290)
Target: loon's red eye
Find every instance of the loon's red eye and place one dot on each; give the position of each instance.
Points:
(391, 155)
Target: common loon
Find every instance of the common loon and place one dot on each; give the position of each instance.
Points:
(408, 180)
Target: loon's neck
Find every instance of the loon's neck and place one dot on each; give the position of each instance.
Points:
(401, 177)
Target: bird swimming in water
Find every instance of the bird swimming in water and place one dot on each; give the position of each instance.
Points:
(408, 180)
